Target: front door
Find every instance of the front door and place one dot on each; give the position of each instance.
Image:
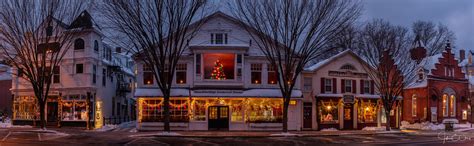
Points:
(307, 115)
(52, 111)
(218, 118)
(348, 116)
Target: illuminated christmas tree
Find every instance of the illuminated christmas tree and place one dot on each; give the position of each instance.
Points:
(218, 71)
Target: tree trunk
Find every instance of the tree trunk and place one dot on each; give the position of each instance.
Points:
(42, 115)
(286, 102)
(387, 115)
(166, 107)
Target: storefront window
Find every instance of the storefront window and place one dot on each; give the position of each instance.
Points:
(152, 110)
(74, 108)
(265, 110)
(199, 110)
(328, 111)
(367, 111)
(24, 108)
(237, 112)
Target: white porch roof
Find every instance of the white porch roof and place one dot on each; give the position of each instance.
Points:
(150, 92)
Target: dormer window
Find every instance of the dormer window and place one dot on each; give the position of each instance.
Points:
(421, 75)
(218, 38)
(49, 31)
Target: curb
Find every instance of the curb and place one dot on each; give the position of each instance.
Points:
(267, 135)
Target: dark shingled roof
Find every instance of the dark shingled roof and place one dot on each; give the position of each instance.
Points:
(84, 20)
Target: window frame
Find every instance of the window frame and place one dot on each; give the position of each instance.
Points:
(256, 73)
(79, 68)
(328, 83)
(414, 105)
(348, 86)
(79, 44)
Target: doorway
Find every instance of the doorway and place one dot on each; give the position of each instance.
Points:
(218, 118)
(52, 112)
(348, 116)
(307, 115)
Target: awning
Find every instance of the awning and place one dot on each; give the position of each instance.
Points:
(149, 92)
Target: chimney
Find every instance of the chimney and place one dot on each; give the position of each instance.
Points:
(118, 49)
(462, 55)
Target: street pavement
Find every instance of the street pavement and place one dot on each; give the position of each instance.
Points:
(77, 136)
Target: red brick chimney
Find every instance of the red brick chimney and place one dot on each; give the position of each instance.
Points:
(462, 55)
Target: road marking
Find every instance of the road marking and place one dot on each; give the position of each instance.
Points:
(39, 137)
(200, 141)
(130, 142)
(5, 138)
(146, 138)
(158, 142)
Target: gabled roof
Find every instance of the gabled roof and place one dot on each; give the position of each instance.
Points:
(325, 62)
(84, 20)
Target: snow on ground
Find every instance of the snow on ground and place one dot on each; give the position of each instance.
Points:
(329, 129)
(431, 126)
(51, 132)
(8, 124)
(110, 127)
(283, 134)
(373, 129)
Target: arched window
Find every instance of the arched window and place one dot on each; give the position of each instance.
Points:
(79, 44)
(413, 107)
(452, 106)
(348, 67)
(96, 45)
(445, 105)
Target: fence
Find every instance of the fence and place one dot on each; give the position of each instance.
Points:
(116, 120)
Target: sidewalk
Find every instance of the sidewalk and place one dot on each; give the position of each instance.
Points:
(220, 134)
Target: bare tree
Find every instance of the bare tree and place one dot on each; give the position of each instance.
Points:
(159, 32)
(433, 36)
(291, 33)
(35, 40)
(384, 47)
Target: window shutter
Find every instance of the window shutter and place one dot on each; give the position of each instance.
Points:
(372, 87)
(334, 85)
(322, 85)
(354, 86)
(343, 90)
(362, 87)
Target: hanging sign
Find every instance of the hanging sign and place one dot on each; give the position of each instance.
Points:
(348, 98)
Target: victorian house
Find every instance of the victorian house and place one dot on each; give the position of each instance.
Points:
(440, 92)
(338, 93)
(93, 81)
(222, 82)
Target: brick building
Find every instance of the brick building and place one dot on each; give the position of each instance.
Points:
(5, 85)
(440, 91)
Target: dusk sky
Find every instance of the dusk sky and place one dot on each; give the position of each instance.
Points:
(458, 15)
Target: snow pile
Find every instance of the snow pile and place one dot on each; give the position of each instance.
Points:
(51, 132)
(134, 130)
(284, 134)
(374, 129)
(8, 124)
(329, 129)
(107, 127)
(463, 126)
(421, 126)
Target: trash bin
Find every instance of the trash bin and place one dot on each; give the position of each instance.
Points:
(449, 126)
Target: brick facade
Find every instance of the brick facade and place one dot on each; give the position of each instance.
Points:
(5, 96)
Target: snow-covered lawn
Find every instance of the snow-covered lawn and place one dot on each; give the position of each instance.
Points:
(8, 124)
(329, 129)
(431, 126)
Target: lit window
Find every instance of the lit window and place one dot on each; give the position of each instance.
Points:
(464, 114)
(445, 105)
(414, 104)
(328, 85)
(219, 66)
(147, 75)
(152, 110)
(256, 75)
(367, 111)
(237, 111)
(272, 75)
(265, 110)
(199, 110)
(328, 111)
(181, 73)
(452, 106)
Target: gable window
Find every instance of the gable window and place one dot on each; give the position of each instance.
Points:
(94, 74)
(327, 85)
(49, 31)
(256, 75)
(147, 75)
(307, 83)
(181, 73)
(272, 75)
(79, 68)
(348, 85)
(96, 45)
(56, 74)
(366, 86)
(413, 105)
(218, 38)
(79, 44)
(348, 67)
